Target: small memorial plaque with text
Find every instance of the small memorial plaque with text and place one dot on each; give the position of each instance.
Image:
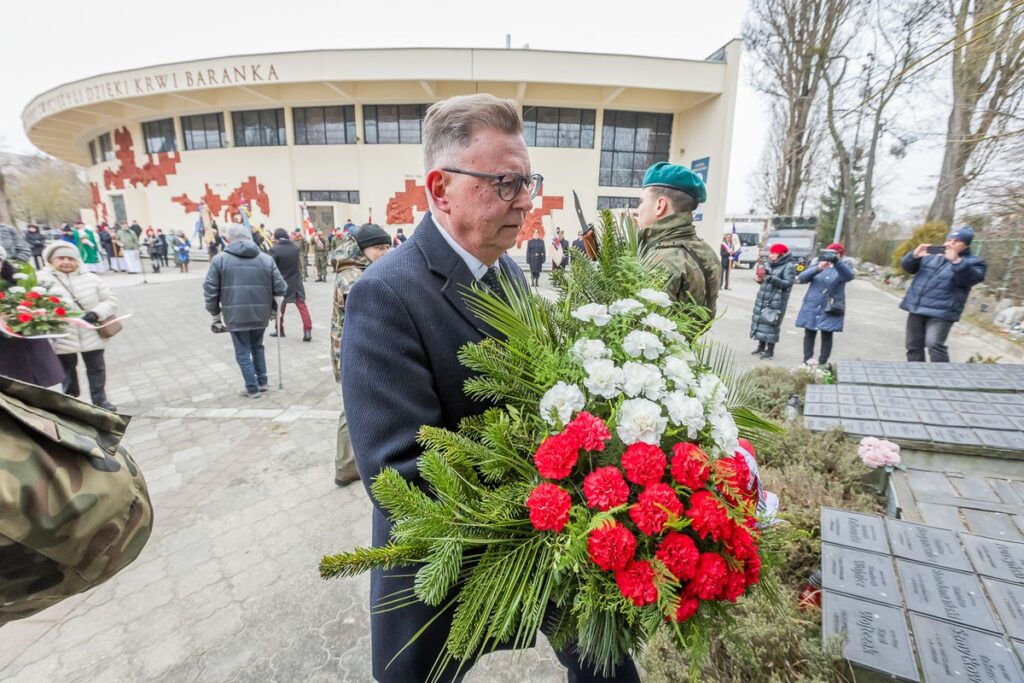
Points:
(995, 558)
(951, 653)
(926, 544)
(874, 636)
(864, 532)
(944, 593)
(860, 574)
(1008, 600)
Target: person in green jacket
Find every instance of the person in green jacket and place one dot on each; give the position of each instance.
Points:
(88, 248)
(129, 243)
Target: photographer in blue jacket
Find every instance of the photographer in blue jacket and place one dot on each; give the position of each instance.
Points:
(943, 277)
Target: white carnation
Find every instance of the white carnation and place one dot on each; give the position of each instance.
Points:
(640, 343)
(711, 391)
(16, 290)
(589, 349)
(675, 337)
(659, 323)
(603, 378)
(655, 297)
(640, 420)
(39, 290)
(678, 370)
(21, 276)
(563, 400)
(643, 379)
(621, 306)
(685, 411)
(593, 313)
(724, 432)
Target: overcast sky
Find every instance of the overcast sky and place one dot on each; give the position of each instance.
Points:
(50, 42)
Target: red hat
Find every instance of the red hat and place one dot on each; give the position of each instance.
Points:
(836, 246)
(778, 248)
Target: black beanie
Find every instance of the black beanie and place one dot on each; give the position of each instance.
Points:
(281, 234)
(371, 235)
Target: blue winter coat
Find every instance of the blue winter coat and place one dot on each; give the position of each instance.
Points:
(940, 287)
(773, 296)
(824, 284)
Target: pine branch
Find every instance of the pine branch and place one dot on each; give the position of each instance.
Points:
(362, 560)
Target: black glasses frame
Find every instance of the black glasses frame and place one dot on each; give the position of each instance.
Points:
(509, 184)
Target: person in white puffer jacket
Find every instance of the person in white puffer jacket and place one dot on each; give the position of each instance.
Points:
(86, 292)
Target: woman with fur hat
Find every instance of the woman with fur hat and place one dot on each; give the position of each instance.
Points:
(772, 299)
(86, 292)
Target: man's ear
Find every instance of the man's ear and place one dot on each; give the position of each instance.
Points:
(437, 189)
(662, 207)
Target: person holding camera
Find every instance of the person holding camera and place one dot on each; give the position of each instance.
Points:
(943, 277)
(824, 306)
(772, 299)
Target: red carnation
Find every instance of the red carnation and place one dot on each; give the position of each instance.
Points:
(735, 584)
(60, 310)
(688, 605)
(636, 582)
(690, 465)
(741, 544)
(611, 546)
(32, 295)
(556, 456)
(549, 507)
(710, 578)
(708, 516)
(653, 507)
(644, 463)
(2, 295)
(605, 488)
(752, 570)
(588, 431)
(734, 477)
(679, 554)
(24, 317)
(54, 300)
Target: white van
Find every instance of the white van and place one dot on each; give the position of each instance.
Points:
(750, 241)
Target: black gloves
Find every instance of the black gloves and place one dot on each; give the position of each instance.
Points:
(91, 318)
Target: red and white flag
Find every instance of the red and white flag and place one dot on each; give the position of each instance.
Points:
(307, 224)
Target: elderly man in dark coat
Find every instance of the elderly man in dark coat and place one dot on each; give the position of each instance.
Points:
(407, 318)
(286, 255)
(771, 301)
(240, 287)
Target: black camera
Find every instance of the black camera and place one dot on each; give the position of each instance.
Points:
(829, 255)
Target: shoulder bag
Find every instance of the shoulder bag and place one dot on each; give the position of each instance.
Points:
(104, 329)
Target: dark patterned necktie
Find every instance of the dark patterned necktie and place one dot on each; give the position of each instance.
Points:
(490, 278)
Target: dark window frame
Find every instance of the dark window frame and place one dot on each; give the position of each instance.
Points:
(617, 202)
(92, 152)
(401, 127)
(338, 196)
(197, 127)
(631, 142)
(106, 147)
(573, 127)
(268, 125)
(161, 129)
(308, 130)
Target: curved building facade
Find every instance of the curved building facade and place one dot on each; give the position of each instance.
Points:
(338, 132)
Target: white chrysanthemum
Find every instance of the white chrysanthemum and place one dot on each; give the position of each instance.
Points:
(21, 276)
(39, 290)
(560, 402)
(685, 411)
(643, 379)
(589, 349)
(678, 370)
(724, 431)
(655, 297)
(621, 306)
(659, 323)
(593, 313)
(16, 290)
(676, 337)
(640, 420)
(604, 379)
(641, 343)
(711, 391)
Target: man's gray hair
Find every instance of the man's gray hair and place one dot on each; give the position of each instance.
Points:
(450, 124)
(237, 231)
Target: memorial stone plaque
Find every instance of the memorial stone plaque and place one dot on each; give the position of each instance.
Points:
(821, 409)
(917, 392)
(891, 392)
(853, 529)
(976, 408)
(874, 636)
(935, 404)
(995, 558)
(1009, 409)
(1002, 439)
(859, 574)
(990, 420)
(898, 415)
(994, 384)
(951, 653)
(938, 419)
(1008, 399)
(891, 402)
(1008, 600)
(944, 593)
(859, 412)
(959, 395)
(929, 544)
(855, 389)
(862, 427)
(821, 424)
(960, 436)
(904, 430)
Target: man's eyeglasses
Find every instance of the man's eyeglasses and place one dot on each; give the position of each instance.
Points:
(509, 184)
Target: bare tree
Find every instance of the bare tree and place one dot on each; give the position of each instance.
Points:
(987, 69)
(47, 190)
(5, 207)
(793, 41)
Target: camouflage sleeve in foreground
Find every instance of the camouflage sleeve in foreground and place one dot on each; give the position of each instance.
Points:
(74, 508)
(693, 269)
(343, 281)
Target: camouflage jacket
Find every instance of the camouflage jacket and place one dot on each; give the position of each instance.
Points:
(693, 266)
(348, 262)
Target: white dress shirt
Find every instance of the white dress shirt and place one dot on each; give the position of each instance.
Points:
(477, 267)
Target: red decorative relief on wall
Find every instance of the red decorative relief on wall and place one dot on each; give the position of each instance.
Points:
(128, 171)
(401, 204)
(534, 219)
(250, 191)
(99, 207)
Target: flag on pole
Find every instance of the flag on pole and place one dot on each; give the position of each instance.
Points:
(307, 224)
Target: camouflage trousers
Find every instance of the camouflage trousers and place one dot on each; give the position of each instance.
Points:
(344, 457)
(304, 266)
(321, 266)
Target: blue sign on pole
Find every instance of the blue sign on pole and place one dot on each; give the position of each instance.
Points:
(700, 167)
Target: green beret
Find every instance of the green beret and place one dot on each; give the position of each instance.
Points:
(664, 174)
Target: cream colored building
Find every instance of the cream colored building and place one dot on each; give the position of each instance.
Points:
(339, 131)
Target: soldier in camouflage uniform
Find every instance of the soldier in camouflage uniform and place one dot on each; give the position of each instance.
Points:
(321, 250)
(303, 253)
(665, 216)
(349, 259)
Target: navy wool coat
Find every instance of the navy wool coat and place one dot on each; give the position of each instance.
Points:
(940, 287)
(405, 321)
(824, 284)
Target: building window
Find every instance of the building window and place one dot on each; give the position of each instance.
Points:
(558, 127)
(618, 202)
(325, 125)
(632, 141)
(203, 131)
(159, 136)
(92, 152)
(343, 196)
(393, 124)
(258, 128)
(106, 149)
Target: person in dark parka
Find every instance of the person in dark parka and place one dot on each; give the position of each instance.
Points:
(772, 299)
(824, 306)
(286, 255)
(938, 293)
(535, 257)
(37, 241)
